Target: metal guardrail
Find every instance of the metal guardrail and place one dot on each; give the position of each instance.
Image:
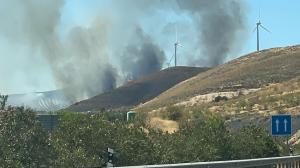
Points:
(276, 162)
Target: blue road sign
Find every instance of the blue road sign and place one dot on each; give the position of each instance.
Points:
(281, 125)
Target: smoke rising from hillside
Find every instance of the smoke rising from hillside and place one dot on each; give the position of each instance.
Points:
(86, 69)
(83, 59)
(219, 24)
(142, 58)
(79, 61)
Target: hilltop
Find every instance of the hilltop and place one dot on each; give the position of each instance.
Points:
(139, 91)
(251, 71)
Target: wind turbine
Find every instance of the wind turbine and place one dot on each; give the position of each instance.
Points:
(258, 25)
(176, 44)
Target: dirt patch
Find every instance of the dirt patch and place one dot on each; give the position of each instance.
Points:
(164, 125)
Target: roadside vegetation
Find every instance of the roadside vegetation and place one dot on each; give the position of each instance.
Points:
(81, 140)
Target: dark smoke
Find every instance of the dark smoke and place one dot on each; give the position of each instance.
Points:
(109, 79)
(143, 57)
(219, 23)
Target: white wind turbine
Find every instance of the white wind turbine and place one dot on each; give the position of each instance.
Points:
(259, 25)
(176, 44)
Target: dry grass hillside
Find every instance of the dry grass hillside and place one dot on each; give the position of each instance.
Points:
(254, 106)
(252, 71)
(139, 91)
(272, 99)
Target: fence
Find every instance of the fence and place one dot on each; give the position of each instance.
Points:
(274, 162)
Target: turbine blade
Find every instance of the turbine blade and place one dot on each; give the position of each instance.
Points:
(176, 33)
(264, 28)
(171, 59)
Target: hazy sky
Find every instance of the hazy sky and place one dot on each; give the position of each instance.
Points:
(22, 70)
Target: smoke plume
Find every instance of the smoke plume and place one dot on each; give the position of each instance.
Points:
(128, 41)
(219, 24)
(79, 63)
(84, 67)
(141, 58)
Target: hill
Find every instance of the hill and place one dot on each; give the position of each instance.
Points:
(139, 91)
(254, 70)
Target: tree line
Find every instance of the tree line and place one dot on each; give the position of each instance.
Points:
(81, 140)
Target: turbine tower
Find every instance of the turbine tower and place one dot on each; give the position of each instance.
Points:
(258, 25)
(175, 45)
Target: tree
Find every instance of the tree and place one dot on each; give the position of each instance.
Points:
(133, 145)
(23, 143)
(81, 140)
(206, 140)
(254, 142)
(3, 100)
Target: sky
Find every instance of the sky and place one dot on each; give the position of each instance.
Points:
(22, 71)
(280, 17)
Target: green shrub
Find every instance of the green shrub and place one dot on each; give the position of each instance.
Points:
(173, 113)
(254, 142)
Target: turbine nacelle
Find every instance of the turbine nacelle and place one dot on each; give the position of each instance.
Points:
(258, 23)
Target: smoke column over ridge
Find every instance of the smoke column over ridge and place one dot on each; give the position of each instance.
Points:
(96, 57)
(142, 58)
(219, 24)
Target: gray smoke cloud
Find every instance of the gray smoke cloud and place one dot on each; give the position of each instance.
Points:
(85, 69)
(79, 62)
(118, 43)
(143, 57)
(220, 25)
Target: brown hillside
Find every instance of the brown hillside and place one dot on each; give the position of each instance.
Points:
(251, 71)
(138, 91)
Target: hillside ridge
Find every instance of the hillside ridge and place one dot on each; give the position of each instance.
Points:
(138, 91)
(253, 70)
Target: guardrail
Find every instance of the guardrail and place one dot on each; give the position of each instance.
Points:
(276, 162)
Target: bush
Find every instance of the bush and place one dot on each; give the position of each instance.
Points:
(220, 98)
(173, 113)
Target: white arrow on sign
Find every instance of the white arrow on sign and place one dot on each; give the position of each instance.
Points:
(277, 125)
(285, 125)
